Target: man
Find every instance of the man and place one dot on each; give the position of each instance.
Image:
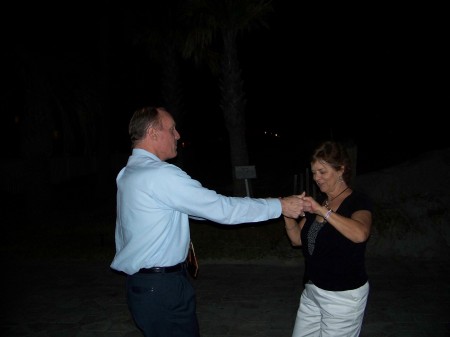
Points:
(154, 202)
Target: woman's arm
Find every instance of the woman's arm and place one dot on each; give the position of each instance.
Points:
(293, 229)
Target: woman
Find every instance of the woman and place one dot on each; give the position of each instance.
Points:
(333, 236)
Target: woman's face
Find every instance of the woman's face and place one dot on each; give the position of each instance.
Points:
(326, 176)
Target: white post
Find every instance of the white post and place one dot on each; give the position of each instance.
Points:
(247, 188)
(307, 182)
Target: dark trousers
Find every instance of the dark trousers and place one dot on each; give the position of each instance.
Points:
(163, 305)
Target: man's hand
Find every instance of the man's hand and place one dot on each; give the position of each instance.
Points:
(295, 206)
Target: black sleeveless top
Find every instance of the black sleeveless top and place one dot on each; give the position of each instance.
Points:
(333, 262)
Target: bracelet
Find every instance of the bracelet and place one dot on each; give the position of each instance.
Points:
(327, 214)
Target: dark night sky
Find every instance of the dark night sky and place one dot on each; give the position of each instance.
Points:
(372, 74)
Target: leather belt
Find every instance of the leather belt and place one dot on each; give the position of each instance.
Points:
(162, 270)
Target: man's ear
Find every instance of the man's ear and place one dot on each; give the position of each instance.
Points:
(153, 133)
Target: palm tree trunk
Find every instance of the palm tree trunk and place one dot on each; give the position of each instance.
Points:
(233, 107)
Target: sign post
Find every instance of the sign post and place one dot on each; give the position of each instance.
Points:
(245, 172)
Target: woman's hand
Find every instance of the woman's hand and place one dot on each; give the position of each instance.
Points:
(315, 207)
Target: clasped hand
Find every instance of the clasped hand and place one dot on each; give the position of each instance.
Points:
(295, 206)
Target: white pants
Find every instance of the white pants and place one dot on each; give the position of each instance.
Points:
(325, 313)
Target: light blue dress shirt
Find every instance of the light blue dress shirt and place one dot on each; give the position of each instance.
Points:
(154, 202)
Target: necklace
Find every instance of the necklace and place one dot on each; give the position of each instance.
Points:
(327, 202)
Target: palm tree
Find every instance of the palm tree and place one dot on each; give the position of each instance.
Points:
(220, 23)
